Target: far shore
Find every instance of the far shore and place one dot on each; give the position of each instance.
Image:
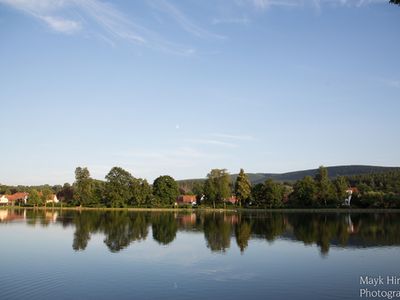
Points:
(206, 209)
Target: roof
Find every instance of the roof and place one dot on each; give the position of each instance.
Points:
(186, 198)
(16, 196)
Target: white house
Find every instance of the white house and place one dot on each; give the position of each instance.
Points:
(3, 200)
(52, 199)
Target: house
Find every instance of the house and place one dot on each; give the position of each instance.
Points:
(14, 198)
(186, 199)
(52, 199)
(350, 192)
(3, 200)
(232, 199)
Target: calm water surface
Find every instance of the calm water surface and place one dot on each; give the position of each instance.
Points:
(143, 255)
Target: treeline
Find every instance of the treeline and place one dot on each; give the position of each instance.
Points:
(121, 189)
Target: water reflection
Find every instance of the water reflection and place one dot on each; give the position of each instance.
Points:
(122, 228)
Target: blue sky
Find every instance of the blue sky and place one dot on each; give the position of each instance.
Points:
(180, 87)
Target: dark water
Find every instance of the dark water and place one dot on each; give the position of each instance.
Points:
(160, 255)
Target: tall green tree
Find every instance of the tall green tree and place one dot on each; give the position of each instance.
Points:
(66, 194)
(34, 198)
(341, 185)
(242, 187)
(118, 187)
(304, 192)
(83, 186)
(217, 186)
(46, 195)
(273, 194)
(325, 190)
(165, 190)
(141, 192)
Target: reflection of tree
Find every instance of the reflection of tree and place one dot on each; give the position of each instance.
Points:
(82, 231)
(242, 233)
(164, 227)
(122, 228)
(217, 232)
(269, 225)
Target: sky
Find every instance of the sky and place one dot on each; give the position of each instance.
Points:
(163, 87)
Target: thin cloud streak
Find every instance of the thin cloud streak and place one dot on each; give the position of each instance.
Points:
(234, 136)
(211, 142)
(110, 24)
(186, 24)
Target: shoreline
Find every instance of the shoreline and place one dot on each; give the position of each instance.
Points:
(236, 210)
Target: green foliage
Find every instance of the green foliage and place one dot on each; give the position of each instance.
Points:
(273, 194)
(141, 192)
(46, 195)
(217, 186)
(341, 185)
(66, 194)
(326, 194)
(118, 187)
(395, 2)
(83, 186)
(165, 190)
(34, 198)
(304, 192)
(242, 187)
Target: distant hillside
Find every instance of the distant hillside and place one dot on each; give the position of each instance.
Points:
(293, 176)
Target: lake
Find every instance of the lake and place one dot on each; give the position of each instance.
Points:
(204, 255)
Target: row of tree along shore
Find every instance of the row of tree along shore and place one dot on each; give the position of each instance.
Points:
(120, 189)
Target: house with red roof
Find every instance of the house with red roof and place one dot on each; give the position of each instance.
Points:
(186, 199)
(11, 200)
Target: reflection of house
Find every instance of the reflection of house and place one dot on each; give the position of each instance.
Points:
(7, 215)
(188, 219)
(350, 192)
(14, 198)
(51, 216)
(232, 199)
(186, 199)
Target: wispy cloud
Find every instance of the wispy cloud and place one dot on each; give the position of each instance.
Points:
(211, 142)
(234, 136)
(187, 24)
(241, 21)
(265, 4)
(108, 22)
(61, 25)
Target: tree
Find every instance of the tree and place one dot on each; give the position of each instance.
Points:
(304, 192)
(395, 2)
(46, 195)
(273, 193)
(341, 186)
(118, 187)
(34, 198)
(66, 194)
(325, 188)
(257, 194)
(217, 186)
(141, 192)
(242, 187)
(83, 186)
(165, 190)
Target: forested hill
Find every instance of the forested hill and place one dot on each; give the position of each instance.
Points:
(332, 171)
